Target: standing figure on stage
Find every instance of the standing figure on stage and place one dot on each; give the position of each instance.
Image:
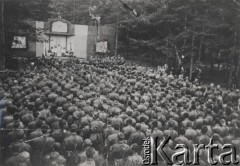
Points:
(59, 50)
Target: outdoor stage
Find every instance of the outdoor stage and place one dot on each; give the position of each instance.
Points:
(64, 38)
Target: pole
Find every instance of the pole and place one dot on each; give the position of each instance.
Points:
(59, 9)
(2, 49)
(96, 31)
(116, 42)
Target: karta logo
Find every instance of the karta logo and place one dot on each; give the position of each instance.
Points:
(183, 155)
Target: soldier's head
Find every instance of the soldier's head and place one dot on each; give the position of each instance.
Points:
(62, 123)
(16, 116)
(138, 126)
(20, 134)
(54, 156)
(134, 148)
(116, 126)
(53, 109)
(87, 143)
(155, 123)
(204, 129)
(142, 119)
(23, 158)
(90, 152)
(121, 136)
(39, 124)
(57, 146)
(45, 128)
(46, 105)
(73, 128)
(129, 121)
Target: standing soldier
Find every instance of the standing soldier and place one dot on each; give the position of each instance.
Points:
(90, 155)
(119, 151)
(71, 144)
(137, 137)
(135, 158)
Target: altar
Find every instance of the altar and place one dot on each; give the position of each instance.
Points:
(59, 38)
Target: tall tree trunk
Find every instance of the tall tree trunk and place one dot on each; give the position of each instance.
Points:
(74, 11)
(231, 72)
(2, 66)
(116, 39)
(178, 58)
(185, 28)
(201, 46)
(201, 40)
(238, 61)
(237, 71)
(128, 45)
(2, 39)
(192, 52)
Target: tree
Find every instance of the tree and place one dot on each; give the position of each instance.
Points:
(15, 17)
(201, 31)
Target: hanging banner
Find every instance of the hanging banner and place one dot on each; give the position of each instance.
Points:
(101, 47)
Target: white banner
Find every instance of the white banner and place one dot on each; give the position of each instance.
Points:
(101, 47)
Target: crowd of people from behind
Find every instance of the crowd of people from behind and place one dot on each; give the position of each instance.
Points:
(74, 114)
(117, 60)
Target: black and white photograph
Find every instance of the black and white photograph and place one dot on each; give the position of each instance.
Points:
(119, 82)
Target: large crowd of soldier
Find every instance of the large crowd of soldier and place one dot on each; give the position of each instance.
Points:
(73, 114)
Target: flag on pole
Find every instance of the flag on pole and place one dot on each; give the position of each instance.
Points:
(91, 9)
(96, 18)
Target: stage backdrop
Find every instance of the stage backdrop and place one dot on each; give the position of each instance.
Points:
(80, 39)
